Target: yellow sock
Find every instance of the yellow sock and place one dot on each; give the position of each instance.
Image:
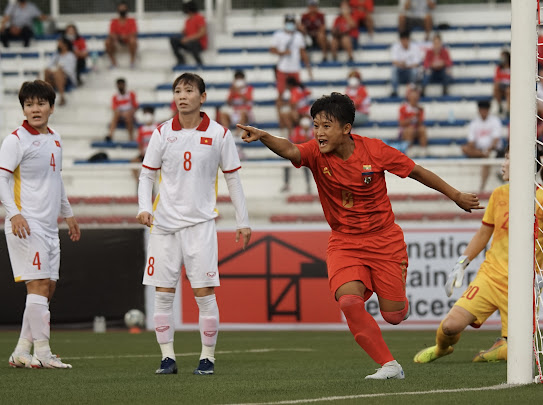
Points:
(443, 341)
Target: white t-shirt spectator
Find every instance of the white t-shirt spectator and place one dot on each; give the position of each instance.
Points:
(294, 41)
(22, 16)
(483, 133)
(417, 9)
(67, 62)
(411, 56)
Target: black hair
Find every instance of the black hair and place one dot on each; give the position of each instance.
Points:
(149, 109)
(67, 42)
(507, 55)
(483, 104)
(336, 105)
(120, 80)
(190, 7)
(239, 74)
(404, 34)
(37, 89)
(190, 78)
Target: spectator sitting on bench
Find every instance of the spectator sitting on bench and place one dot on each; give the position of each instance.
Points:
(61, 72)
(145, 131)
(79, 46)
(124, 105)
(18, 21)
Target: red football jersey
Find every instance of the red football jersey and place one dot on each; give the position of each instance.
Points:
(353, 193)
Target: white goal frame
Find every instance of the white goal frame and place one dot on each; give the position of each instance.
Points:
(522, 192)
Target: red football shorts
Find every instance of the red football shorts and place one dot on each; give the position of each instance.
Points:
(378, 260)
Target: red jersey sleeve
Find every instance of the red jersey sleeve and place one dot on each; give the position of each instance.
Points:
(391, 159)
(308, 151)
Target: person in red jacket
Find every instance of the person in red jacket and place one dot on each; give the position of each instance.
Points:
(437, 66)
(194, 36)
(411, 120)
(362, 12)
(122, 31)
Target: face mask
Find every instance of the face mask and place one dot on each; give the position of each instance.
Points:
(239, 83)
(305, 122)
(353, 82)
(148, 118)
(70, 37)
(123, 13)
(290, 26)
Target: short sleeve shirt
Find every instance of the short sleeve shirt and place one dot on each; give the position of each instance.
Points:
(189, 160)
(128, 27)
(294, 41)
(36, 162)
(193, 25)
(124, 102)
(483, 133)
(312, 22)
(353, 193)
(22, 16)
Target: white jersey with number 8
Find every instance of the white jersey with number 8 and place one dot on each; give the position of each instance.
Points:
(189, 160)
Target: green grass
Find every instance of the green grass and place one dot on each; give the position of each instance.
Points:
(118, 368)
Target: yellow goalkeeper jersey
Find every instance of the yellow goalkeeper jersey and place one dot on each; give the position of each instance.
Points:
(497, 215)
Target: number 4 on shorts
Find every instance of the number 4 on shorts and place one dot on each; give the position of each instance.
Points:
(36, 261)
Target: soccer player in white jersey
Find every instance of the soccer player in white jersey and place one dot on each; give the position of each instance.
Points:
(32, 192)
(189, 149)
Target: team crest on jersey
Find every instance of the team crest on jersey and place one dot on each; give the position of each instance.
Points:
(367, 174)
(57, 143)
(36, 143)
(172, 139)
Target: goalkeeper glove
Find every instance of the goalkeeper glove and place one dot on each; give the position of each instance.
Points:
(457, 275)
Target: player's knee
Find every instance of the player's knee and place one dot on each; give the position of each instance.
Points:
(451, 327)
(393, 318)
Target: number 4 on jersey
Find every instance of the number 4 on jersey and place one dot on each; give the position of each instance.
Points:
(36, 261)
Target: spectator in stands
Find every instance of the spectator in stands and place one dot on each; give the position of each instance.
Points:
(239, 104)
(411, 121)
(502, 82)
(289, 45)
(145, 131)
(295, 103)
(406, 62)
(344, 32)
(437, 66)
(193, 39)
(484, 138)
(61, 72)
(362, 101)
(313, 25)
(362, 11)
(79, 47)
(123, 31)
(124, 105)
(416, 13)
(301, 133)
(18, 21)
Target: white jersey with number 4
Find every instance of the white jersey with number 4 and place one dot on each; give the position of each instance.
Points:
(189, 160)
(36, 162)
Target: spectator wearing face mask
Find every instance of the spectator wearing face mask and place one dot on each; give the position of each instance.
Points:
(239, 104)
(296, 102)
(79, 47)
(122, 32)
(362, 101)
(61, 70)
(301, 133)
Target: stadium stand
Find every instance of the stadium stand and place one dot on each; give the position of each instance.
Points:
(105, 192)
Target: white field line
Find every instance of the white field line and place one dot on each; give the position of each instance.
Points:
(131, 356)
(383, 394)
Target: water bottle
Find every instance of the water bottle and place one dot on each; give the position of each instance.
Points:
(99, 324)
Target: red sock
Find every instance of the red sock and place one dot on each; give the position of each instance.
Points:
(365, 330)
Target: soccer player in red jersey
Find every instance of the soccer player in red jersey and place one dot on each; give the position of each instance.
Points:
(366, 250)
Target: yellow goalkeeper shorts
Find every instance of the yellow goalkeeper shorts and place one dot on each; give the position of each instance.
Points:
(482, 298)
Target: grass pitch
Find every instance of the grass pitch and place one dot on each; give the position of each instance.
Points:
(256, 367)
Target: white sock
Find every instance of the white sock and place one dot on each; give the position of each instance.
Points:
(164, 323)
(24, 345)
(39, 317)
(209, 325)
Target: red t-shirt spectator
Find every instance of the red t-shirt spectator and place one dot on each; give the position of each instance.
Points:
(353, 193)
(431, 57)
(299, 97)
(300, 134)
(414, 113)
(360, 8)
(360, 98)
(241, 101)
(342, 26)
(124, 102)
(144, 136)
(312, 22)
(127, 27)
(79, 44)
(502, 75)
(193, 25)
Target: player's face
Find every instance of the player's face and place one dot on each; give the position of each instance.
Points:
(329, 133)
(505, 168)
(37, 113)
(187, 98)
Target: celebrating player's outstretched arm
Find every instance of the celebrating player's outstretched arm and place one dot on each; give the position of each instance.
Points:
(466, 201)
(281, 146)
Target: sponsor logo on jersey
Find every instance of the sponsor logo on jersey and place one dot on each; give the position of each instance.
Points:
(347, 199)
(172, 139)
(162, 328)
(210, 333)
(325, 170)
(57, 143)
(36, 143)
(211, 274)
(206, 141)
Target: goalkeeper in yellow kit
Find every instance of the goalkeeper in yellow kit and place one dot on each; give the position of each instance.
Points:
(488, 291)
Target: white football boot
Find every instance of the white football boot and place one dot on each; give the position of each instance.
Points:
(390, 370)
(20, 360)
(51, 361)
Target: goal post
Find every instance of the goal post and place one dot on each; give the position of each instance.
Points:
(521, 191)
